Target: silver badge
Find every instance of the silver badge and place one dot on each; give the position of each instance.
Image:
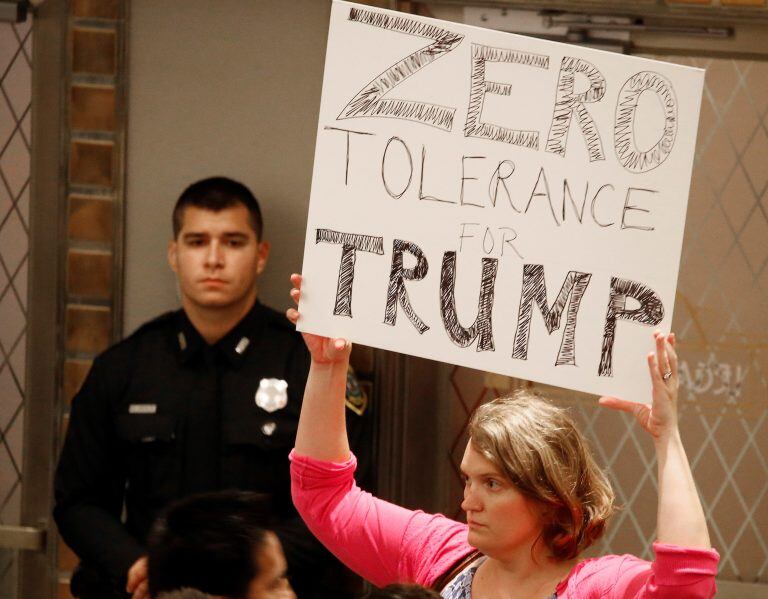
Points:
(268, 428)
(272, 394)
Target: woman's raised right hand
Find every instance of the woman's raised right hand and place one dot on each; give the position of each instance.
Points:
(323, 350)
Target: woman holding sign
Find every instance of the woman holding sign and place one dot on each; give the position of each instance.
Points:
(533, 495)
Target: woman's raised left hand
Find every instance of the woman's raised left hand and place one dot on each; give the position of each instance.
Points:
(660, 417)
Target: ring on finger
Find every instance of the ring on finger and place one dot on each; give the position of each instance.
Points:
(667, 375)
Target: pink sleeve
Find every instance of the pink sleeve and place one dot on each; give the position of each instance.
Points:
(382, 542)
(676, 573)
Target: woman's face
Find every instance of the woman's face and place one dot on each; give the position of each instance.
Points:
(501, 519)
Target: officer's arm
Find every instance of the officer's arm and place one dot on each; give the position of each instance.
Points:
(90, 481)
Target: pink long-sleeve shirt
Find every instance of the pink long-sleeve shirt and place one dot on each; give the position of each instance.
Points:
(385, 543)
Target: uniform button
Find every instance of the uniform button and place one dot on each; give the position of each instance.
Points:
(268, 428)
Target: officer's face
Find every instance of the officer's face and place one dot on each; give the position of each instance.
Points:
(217, 258)
(270, 583)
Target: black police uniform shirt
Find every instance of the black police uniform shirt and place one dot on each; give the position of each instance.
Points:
(163, 415)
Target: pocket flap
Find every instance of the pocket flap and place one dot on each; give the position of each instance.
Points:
(266, 432)
(146, 428)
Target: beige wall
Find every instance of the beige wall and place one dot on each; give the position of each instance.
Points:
(219, 87)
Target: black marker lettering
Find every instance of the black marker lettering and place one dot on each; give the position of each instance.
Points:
(396, 292)
(567, 192)
(350, 243)
(481, 328)
(370, 100)
(594, 201)
(650, 312)
(474, 127)
(421, 181)
(630, 157)
(396, 194)
(566, 103)
(534, 194)
(465, 178)
(534, 289)
(630, 207)
(462, 235)
(346, 162)
(500, 175)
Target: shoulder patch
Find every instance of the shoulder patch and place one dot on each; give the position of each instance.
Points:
(356, 399)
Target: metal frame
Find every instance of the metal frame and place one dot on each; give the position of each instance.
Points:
(26, 538)
(657, 9)
(37, 577)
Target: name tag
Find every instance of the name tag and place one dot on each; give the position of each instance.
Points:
(142, 408)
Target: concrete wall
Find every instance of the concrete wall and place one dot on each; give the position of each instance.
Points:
(219, 87)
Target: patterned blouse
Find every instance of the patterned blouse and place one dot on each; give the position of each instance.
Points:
(461, 585)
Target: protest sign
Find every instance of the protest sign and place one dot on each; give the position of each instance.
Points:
(500, 202)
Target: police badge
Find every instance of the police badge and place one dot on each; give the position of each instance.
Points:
(272, 394)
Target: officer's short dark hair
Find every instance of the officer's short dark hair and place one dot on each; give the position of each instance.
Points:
(403, 591)
(215, 194)
(208, 542)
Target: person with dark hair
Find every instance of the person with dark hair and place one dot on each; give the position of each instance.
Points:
(533, 495)
(215, 194)
(218, 543)
(185, 593)
(200, 399)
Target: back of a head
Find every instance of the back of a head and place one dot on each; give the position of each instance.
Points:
(208, 542)
(539, 449)
(185, 594)
(403, 591)
(216, 194)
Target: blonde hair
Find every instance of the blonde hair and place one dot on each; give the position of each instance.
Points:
(536, 445)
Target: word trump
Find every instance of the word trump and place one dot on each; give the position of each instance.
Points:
(648, 308)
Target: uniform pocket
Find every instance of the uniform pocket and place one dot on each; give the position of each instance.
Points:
(150, 453)
(276, 431)
(146, 428)
(256, 447)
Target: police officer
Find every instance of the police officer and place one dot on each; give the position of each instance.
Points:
(197, 400)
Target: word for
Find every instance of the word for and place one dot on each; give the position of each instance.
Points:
(490, 239)
(649, 309)
(374, 99)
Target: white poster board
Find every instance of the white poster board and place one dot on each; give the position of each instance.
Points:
(500, 202)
